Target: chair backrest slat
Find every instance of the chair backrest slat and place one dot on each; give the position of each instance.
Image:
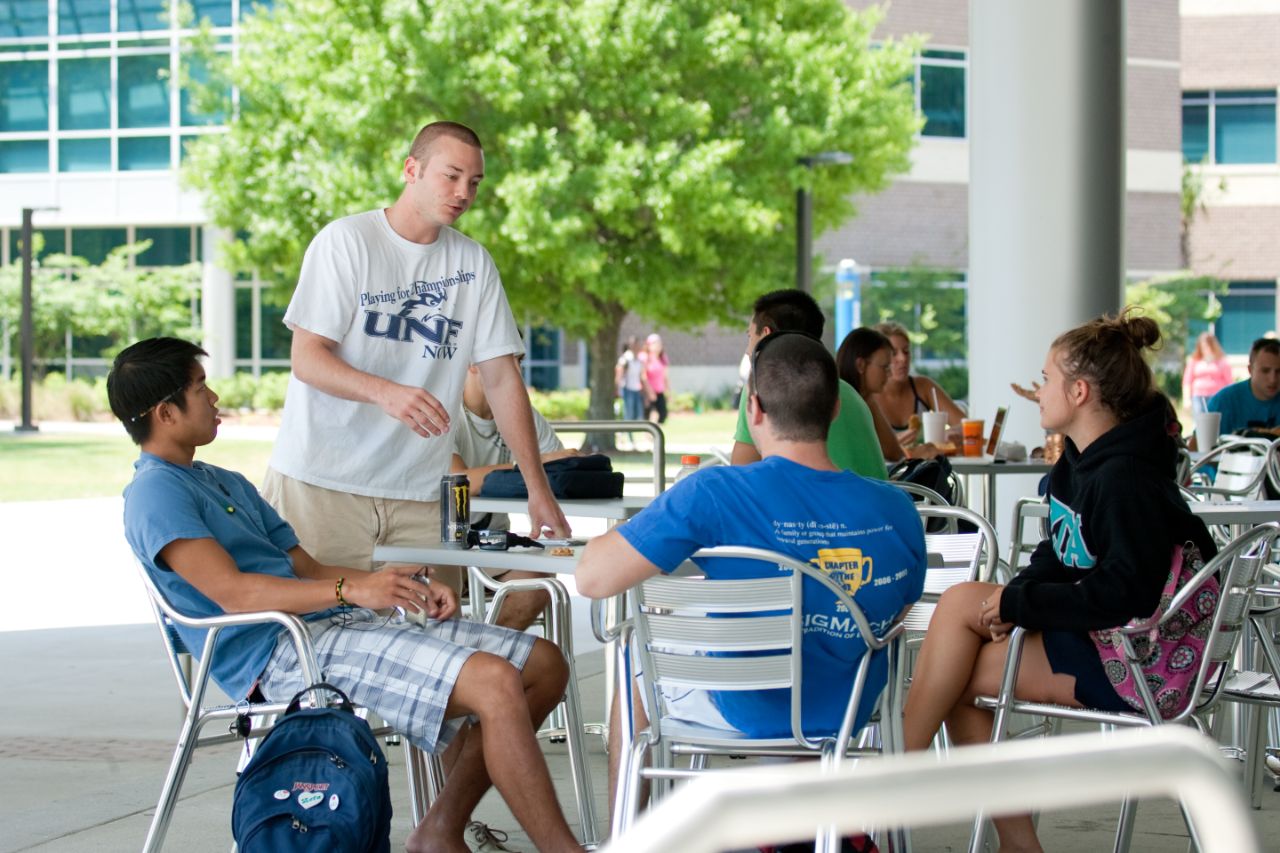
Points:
(719, 673)
(697, 634)
(696, 594)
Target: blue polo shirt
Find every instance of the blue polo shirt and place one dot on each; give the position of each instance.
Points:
(166, 502)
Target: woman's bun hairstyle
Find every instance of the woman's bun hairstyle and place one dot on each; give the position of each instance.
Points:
(1108, 353)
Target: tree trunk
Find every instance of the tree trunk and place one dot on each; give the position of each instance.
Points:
(603, 350)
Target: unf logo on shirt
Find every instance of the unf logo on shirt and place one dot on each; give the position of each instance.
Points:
(1068, 541)
(417, 320)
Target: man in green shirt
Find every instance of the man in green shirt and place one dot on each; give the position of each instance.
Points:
(852, 440)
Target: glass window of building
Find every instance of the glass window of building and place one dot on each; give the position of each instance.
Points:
(1248, 313)
(84, 155)
(170, 247)
(24, 155)
(218, 12)
(47, 241)
(143, 153)
(93, 244)
(542, 361)
(80, 17)
(940, 92)
(247, 7)
(24, 19)
(196, 76)
(84, 94)
(135, 16)
(144, 91)
(24, 96)
(1229, 127)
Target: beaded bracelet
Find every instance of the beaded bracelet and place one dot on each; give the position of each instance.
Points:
(337, 590)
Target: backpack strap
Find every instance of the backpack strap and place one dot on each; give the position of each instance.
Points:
(344, 700)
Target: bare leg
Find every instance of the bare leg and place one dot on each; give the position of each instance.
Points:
(520, 609)
(615, 744)
(959, 663)
(501, 747)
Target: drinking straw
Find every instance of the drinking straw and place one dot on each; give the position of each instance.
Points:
(936, 408)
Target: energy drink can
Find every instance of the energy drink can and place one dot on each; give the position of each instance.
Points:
(455, 510)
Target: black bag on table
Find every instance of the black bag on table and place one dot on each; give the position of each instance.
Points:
(581, 477)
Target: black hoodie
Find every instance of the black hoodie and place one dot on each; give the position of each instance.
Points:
(1115, 516)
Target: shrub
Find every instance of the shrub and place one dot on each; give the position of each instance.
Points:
(269, 395)
(235, 392)
(954, 379)
(567, 405)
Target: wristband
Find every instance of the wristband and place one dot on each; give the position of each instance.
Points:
(337, 591)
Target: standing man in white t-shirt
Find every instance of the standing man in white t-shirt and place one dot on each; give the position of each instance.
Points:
(391, 307)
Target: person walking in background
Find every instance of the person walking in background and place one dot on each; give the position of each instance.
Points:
(629, 375)
(1206, 374)
(905, 395)
(864, 360)
(655, 374)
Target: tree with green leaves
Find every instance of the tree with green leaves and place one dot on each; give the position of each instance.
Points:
(641, 154)
(114, 300)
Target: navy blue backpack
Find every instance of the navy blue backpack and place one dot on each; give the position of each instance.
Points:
(318, 781)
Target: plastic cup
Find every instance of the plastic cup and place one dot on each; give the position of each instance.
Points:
(935, 427)
(972, 432)
(1207, 425)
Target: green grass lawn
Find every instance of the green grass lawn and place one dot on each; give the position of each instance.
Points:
(44, 466)
(53, 467)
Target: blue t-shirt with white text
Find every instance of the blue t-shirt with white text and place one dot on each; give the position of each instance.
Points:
(832, 519)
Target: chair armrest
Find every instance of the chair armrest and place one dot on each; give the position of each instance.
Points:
(297, 629)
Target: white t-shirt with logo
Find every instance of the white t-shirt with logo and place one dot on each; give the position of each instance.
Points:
(480, 445)
(416, 314)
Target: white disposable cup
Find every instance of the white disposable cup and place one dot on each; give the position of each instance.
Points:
(1207, 424)
(935, 427)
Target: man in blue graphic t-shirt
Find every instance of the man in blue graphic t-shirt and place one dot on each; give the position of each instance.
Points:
(771, 505)
(1254, 402)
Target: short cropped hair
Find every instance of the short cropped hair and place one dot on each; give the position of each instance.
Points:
(420, 150)
(146, 374)
(789, 310)
(1271, 346)
(794, 378)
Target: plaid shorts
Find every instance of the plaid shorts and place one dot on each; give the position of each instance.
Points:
(403, 672)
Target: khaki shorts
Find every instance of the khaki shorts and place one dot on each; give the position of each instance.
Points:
(342, 529)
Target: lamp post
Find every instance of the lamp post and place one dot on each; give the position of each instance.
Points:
(804, 216)
(27, 332)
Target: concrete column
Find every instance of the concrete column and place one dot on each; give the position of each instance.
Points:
(218, 306)
(1046, 191)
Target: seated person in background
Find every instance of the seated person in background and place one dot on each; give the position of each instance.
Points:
(214, 546)
(1115, 515)
(864, 361)
(905, 396)
(478, 448)
(852, 439)
(1252, 403)
(773, 504)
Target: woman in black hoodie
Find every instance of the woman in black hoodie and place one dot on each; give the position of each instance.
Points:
(1115, 518)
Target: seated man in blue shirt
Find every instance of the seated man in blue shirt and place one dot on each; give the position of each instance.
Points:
(773, 504)
(213, 545)
(1253, 402)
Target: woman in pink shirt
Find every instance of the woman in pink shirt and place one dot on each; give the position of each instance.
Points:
(1207, 372)
(655, 371)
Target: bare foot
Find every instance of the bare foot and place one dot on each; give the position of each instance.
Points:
(428, 839)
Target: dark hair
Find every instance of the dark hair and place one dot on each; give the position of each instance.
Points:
(421, 147)
(788, 310)
(862, 342)
(794, 378)
(147, 374)
(1107, 351)
(1268, 345)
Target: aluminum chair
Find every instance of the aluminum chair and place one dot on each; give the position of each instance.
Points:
(1027, 512)
(566, 723)
(1238, 568)
(1236, 469)
(698, 633)
(425, 778)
